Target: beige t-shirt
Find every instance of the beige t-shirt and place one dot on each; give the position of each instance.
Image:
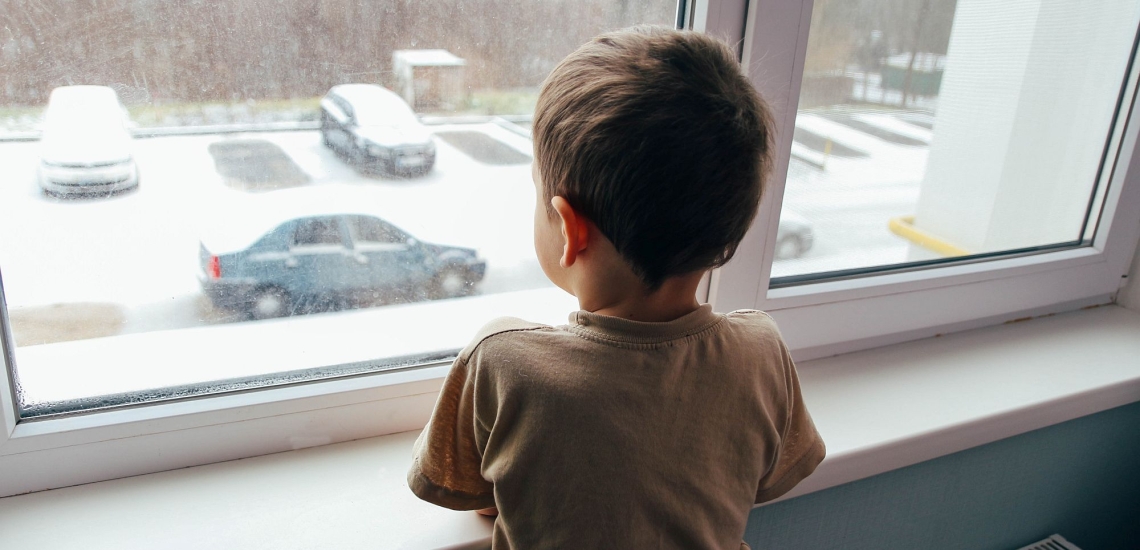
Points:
(610, 433)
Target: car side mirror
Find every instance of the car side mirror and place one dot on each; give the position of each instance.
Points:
(411, 242)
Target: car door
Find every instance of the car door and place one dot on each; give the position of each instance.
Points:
(394, 259)
(320, 258)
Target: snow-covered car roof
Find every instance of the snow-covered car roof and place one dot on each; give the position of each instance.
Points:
(366, 92)
(375, 105)
(793, 219)
(83, 95)
(85, 124)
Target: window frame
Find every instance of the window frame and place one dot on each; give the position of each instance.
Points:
(817, 319)
(830, 317)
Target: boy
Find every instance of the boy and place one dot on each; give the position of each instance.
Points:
(649, 421)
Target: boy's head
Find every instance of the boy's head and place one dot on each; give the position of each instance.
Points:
(657, 137)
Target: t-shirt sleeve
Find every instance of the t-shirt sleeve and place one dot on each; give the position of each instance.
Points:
(448, 462)
(801, 448)
(446, 469)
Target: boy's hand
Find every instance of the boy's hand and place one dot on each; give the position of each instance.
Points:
(490, 512)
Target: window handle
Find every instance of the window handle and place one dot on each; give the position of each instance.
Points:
(291, 262)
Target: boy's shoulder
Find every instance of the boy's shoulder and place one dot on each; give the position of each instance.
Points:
(498, 331)
(755, 320)
(751, 316)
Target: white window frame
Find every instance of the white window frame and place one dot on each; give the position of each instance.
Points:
(816, 319)
(828, 318)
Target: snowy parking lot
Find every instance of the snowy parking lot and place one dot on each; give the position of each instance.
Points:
(139, 250)
(849, 200)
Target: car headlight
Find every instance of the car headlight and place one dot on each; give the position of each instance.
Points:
(376, 150)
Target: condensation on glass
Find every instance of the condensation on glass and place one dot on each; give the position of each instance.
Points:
(931, 130)
(212, 174)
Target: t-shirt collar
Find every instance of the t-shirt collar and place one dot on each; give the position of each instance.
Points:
(617, 328)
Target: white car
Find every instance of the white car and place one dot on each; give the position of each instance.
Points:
(376, 130)
(86, 146)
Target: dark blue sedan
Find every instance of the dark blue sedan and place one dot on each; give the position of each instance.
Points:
(317, 258)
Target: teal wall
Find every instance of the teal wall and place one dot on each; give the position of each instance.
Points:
(1080, 479)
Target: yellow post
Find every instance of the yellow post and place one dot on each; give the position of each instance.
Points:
(903, 226)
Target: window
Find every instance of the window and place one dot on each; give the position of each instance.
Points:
(230, 212)
(257, 148)
(935, 130)
(822, 312)
(294, 201)
(317, 232)
(371, 230)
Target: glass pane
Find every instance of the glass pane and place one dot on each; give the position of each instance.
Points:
(935, 129)
(245, 190)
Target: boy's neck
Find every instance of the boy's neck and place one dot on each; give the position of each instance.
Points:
(675, 298)
(603, 281)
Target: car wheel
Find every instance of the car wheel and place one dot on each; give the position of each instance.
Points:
(269, 302)
(789, 247)
(451, 282)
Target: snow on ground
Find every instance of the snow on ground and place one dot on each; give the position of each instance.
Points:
(840, 134)
(896, 125)
(124, 249)
(850, 201)
(140, 249)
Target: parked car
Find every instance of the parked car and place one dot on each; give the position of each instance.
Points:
(342, 255)
(795, 237)
(86, 146)
(375, 129)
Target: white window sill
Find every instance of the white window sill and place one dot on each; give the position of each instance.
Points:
(877, 410)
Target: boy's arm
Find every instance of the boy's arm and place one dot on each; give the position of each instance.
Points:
(801, 447)
(447, 463)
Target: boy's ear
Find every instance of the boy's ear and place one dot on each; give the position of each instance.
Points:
(575, 231)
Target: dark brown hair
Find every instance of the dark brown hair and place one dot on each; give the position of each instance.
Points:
(657, 137)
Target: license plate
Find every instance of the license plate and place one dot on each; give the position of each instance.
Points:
(410, 161)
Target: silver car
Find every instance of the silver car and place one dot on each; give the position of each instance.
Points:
(375, 130)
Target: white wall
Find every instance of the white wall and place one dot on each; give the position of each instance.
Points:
(1024, 111)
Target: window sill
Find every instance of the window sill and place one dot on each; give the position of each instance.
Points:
(878, 410)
